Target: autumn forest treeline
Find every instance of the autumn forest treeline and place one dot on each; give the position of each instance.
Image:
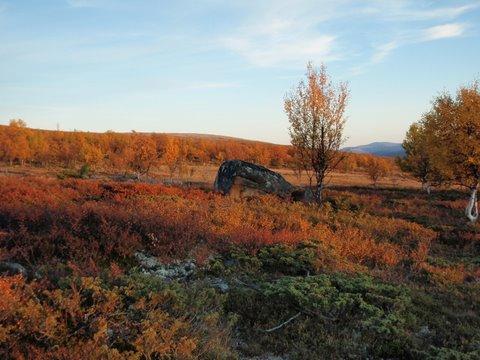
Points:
(142, 152)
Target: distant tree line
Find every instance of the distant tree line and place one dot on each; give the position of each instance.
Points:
(136, 151)
(142, 152)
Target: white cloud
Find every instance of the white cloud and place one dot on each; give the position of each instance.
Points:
(433, 33)
(382, 51)
(445, 13)
(282, 50)
(440, 13)
(404, 10)
(443, 31)
(289, 33)
(284, 33)
(438, 32)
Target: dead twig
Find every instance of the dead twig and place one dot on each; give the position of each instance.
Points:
(284, 323)
(307, 312)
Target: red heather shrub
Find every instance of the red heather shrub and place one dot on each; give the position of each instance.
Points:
(87, 221)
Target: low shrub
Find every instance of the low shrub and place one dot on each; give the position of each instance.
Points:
(135, 317)
(340, 316)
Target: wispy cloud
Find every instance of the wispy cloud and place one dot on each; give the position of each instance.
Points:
(382, 51)
(283, 33)
(414, 23)
(440, 13)
(409, 11)
(432, 33)
(77, 52)
(446, 12)
(280, 33)
(444, 31)
(267, 33)
(282, 51)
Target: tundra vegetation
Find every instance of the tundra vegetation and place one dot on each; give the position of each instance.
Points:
(373, 272)
(97, 268)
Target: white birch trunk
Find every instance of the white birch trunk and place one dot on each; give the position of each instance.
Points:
(472, 208)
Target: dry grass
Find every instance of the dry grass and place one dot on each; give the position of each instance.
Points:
(205, 174)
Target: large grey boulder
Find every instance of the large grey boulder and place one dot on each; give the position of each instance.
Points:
(244, 178)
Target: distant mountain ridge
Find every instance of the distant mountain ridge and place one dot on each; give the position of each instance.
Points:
(378, 148)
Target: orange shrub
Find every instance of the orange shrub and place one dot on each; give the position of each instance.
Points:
(88, 222)
(88, 319)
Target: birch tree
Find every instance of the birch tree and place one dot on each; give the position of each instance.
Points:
(454, 124)
(419, 157)
(316, 113)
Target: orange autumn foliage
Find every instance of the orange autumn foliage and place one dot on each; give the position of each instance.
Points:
(142, 152)
(88, 303)
(77, 322)
(75, 220)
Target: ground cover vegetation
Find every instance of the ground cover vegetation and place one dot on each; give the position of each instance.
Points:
(380, 273)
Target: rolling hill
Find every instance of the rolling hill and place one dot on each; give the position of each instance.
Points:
(378, 148)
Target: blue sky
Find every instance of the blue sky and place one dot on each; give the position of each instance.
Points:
(223, 67)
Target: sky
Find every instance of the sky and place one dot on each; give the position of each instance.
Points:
(224, 67)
